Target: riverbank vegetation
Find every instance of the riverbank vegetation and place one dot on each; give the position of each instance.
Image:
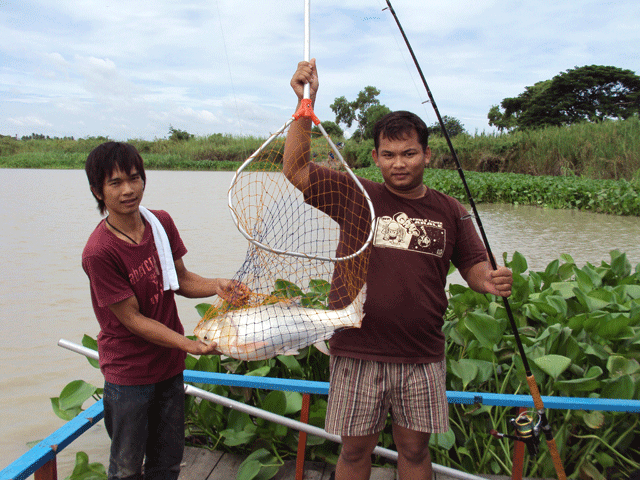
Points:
(580, 326)
(587, 166)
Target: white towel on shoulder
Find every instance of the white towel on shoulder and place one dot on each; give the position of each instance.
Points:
(169, 275)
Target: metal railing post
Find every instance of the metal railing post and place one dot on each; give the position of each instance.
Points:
(48, 471)
(302, 439)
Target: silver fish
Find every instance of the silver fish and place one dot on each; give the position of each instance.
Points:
(258, 333)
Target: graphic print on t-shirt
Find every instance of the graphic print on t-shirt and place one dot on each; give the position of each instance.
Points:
(415, 234)
(149, 271)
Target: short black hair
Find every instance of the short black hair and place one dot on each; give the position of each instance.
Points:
(104, 159)
(397, 125)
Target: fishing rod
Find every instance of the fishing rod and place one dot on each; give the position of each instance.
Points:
(531, 381)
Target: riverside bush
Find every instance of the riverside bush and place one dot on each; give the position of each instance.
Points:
(599, 196)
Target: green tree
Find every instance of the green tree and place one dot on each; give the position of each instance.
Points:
(358, 110)
(332, 129)
(452, 125)
(371, 116)
(175, 134)
(590, 93)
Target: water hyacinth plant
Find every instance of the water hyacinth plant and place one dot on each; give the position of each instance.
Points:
(581, 331)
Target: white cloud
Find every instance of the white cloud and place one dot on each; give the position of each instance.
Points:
(129, 69)
(203, 116)
(29, 122)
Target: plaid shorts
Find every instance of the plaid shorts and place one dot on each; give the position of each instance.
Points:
(362, 392)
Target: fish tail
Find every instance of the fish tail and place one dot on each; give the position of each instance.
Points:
(356, 309)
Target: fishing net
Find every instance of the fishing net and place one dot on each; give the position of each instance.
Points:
(305, 265)
(299, 260)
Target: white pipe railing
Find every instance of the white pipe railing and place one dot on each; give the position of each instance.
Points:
(272, 417)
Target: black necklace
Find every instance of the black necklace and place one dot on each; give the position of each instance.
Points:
(119, 231)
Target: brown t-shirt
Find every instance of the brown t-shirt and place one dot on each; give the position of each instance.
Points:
(118, 270)
(413, 243)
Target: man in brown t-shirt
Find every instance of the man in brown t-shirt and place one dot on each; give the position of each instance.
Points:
(396, 359)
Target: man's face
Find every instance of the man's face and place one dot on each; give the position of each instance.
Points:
(122, 192)
(402, 163)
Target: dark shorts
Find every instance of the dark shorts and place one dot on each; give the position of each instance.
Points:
(362, 392)
(146, 425)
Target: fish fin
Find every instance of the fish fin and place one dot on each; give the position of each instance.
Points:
(250, 347)
(288, 351)
(356, 309)
(322, 346)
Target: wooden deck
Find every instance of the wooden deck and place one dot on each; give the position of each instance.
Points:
(202, 464)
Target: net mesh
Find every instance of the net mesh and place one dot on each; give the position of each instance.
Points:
(302, 263)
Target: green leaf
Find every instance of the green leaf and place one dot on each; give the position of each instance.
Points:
(588, 470)
(552, 268)
(293, 402)
(592, 303)
(190, 362)
(485, 369)
(202, 309)
(620, 265)
(260, 465)
(75, 394)
(443, 440)
(286, 289)
(311, 300)
(239, 421)
(83, 470)
(588, 383)
(91, 343)
(485, 328)
(619, 365)
(66, 415)
(234, 438)
(292, 364)
(248, 470)
(275, 402)
(553, 365)
(613, 327)
(518, 264)
(577, 322)
(585, 282)
(594, 420)
(319, 287)
(564, 289)
(622, 387)
(558, 303)
(464, 370)
(260, 372)
(631, 291)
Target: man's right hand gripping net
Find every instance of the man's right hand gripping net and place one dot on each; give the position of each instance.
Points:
(309, 249)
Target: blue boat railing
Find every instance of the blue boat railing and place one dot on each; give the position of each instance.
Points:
(46, 450)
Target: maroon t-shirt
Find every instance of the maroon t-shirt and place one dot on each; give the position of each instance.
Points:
(413, 243)
(118, 270)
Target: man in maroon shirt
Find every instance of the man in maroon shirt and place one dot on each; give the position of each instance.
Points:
(396, 360)
(141, 342)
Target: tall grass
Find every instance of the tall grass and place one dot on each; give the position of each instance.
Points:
(606, 150)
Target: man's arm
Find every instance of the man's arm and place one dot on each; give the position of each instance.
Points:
(484, 279)
(295, 165)
(128, 312)
(193, 285)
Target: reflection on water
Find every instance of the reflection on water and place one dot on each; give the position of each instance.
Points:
(47, 215)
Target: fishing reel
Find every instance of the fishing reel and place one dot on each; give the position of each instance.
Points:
(525, 431)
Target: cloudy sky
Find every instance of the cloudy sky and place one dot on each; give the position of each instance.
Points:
(131, 68)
